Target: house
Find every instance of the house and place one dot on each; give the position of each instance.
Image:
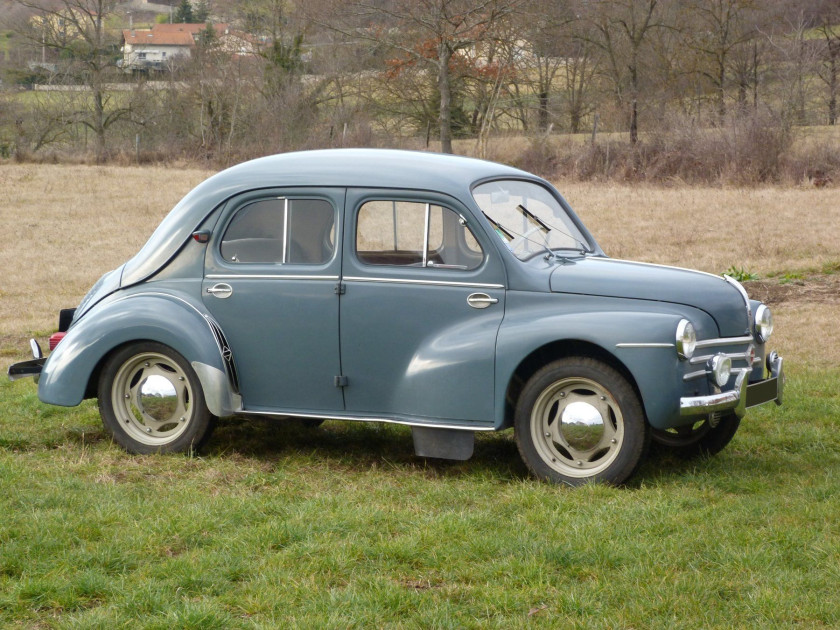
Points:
(163, 44)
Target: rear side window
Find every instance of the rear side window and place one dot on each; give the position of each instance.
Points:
(280, 230)
(416, 234)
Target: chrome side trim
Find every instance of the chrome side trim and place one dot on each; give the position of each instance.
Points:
(410, 423)
(442, 283)
(266, 276)
(724, 341)
(644, 345)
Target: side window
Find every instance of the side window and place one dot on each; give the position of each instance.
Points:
(410, 233)
(297, 231)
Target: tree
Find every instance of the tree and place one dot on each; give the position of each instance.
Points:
(428, 33)
(184, 13)
(829, 29)
(201, 12)
(621, 30)
(722, 33)
(84, 52)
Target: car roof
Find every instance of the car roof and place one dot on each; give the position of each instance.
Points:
(363, 168)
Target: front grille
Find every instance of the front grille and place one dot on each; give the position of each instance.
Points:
(736, 348)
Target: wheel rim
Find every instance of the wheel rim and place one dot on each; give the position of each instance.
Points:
(152, 399)
(577, 427)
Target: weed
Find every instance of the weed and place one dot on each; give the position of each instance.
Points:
(740, 274)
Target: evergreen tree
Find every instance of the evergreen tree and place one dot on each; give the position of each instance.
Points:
(184, 13)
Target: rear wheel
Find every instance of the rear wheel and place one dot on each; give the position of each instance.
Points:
(706, 437)
(579, 420)
(151, 400)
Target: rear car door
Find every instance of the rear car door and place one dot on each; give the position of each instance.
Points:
(271, 272)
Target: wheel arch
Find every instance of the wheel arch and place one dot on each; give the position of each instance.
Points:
(552, 351)
(73, 369)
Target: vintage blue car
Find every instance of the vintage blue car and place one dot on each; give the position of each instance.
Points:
(449, 294)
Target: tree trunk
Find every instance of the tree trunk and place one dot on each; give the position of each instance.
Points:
(833, 53)
(445, 89)
(543, 109)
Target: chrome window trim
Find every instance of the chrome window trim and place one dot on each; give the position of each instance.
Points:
(411, 423)
(443, 283)
(426, 235)
(285, 230)
(725, 341)
(644, 345)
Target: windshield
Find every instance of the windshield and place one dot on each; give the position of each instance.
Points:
(528, 218)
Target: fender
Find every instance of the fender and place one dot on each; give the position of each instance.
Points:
(637, 335)
(144, 316)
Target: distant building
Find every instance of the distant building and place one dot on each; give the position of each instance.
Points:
(157, 48)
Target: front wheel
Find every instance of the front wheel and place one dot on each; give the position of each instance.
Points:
(151, 400)
(708, 436)
(579, 420)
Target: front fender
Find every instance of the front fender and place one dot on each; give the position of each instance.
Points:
(161, 317)
(637, 335)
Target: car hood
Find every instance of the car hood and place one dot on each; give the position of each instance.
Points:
(607, 277)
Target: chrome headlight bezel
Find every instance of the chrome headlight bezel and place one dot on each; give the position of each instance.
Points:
(686, 338)
(720, 367)
(763, 323)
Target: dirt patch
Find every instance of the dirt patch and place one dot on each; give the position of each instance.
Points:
(817, 289)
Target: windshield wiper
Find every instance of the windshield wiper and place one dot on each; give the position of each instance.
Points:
(546, 228)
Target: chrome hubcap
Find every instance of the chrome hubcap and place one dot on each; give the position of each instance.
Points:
(152, 399)
(577, 427)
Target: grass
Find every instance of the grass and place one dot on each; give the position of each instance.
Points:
(278, 526)
(275, 525)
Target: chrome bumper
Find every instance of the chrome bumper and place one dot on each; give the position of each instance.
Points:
(743, 395)
(32, 368)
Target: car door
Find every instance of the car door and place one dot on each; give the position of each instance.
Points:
(423, 300)
(271, 275)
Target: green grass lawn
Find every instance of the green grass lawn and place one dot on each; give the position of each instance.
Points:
(275, 525)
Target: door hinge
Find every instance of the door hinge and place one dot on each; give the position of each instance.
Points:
(340, 289)
(341, 381)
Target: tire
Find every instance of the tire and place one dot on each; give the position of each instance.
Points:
(602, 437)
(699, 439)
(151, 400)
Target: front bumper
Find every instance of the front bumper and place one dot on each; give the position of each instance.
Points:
(742, 396)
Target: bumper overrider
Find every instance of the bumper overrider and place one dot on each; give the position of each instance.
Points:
(742, 396)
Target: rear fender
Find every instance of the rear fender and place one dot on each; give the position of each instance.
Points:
(165, 318)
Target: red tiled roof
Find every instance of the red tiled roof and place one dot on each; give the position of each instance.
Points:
(169, 34)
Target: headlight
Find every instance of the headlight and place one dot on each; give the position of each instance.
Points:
(721, 367)
(763, 323)
(686, 339)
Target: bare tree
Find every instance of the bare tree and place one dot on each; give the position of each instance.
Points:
(721, 32)
(829, 29)
(83, 48)
(621, 30)
(431, 33)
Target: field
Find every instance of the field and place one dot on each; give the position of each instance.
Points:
(275, 525)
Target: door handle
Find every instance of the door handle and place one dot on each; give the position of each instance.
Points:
(481, 300)
(221, 290)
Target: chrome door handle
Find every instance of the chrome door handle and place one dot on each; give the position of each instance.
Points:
(481, 300)
(221, 290)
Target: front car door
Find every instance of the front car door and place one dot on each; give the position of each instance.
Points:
(271, 274)
(423, 301)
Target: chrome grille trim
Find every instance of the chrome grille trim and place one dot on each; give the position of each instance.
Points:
(724, 341)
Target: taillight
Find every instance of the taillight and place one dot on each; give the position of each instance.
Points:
(55, 338)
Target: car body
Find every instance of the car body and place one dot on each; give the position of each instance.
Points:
(450, 294)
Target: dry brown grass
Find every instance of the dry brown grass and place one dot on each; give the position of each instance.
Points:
(64, 226)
